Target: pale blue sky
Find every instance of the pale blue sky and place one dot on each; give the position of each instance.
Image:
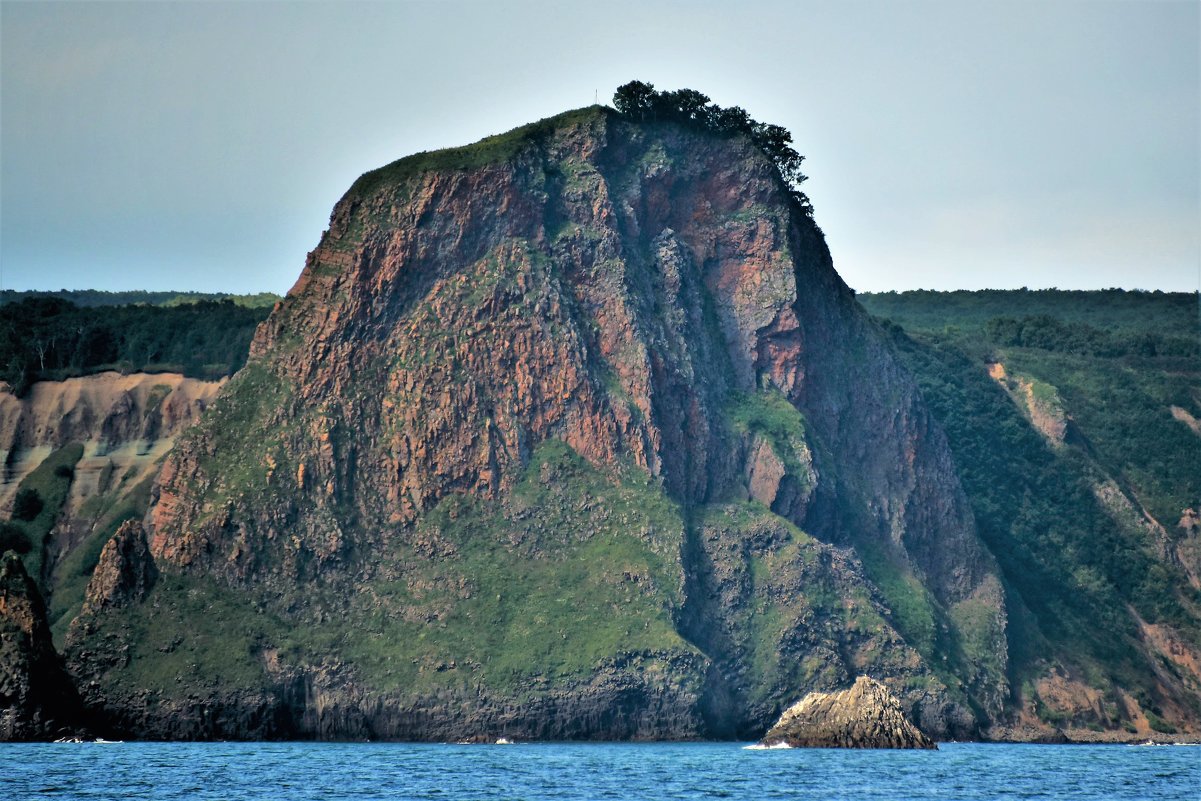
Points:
(949, 145)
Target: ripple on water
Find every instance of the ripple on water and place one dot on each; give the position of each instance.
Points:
(567, 772)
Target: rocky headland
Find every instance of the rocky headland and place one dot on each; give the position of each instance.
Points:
(574, 433)
(38, 701)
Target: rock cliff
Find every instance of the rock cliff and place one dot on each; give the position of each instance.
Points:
(576, 433)
(37, 699)
(125, 573)
(865, 715)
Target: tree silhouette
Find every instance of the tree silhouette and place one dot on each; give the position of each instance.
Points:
(640, 101)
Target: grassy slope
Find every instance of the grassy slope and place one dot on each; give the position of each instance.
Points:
(573, 571)
(490, 150)
(568, 575)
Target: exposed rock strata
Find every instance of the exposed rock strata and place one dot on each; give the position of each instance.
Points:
(125, 423)
(866, 715)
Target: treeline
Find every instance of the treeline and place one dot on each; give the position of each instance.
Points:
(89, 298)
(48, 338)
(1047, 333)
(1171, 313)
(689, 107)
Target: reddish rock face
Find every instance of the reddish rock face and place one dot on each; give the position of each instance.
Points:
(610, 286)
(627, 289)
(125, 572)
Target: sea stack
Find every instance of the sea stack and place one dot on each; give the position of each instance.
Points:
(866, 715)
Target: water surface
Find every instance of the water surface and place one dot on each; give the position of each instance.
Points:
(588, 772)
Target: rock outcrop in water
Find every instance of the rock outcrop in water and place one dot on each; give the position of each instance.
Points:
(866, 715)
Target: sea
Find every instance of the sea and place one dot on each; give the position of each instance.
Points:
(568, 771)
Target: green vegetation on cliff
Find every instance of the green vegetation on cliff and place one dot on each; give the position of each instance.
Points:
(769, 414)
(496, 149)
(1075, 554)
(575, 569)
(42, 493)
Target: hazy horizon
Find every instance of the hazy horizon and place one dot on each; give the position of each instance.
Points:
(201, 146)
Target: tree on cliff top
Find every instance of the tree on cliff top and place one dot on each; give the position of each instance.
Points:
(687, 106)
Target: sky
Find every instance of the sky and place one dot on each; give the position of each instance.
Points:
(949, 145)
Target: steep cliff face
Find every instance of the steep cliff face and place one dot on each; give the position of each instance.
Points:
(583, 435)
(37, 699)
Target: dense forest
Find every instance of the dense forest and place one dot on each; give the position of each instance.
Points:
(50, 338)
(1106, 309)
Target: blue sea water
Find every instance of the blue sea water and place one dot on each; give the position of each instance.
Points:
(589, 772)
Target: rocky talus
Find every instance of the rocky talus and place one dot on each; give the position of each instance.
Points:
(865, 715)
